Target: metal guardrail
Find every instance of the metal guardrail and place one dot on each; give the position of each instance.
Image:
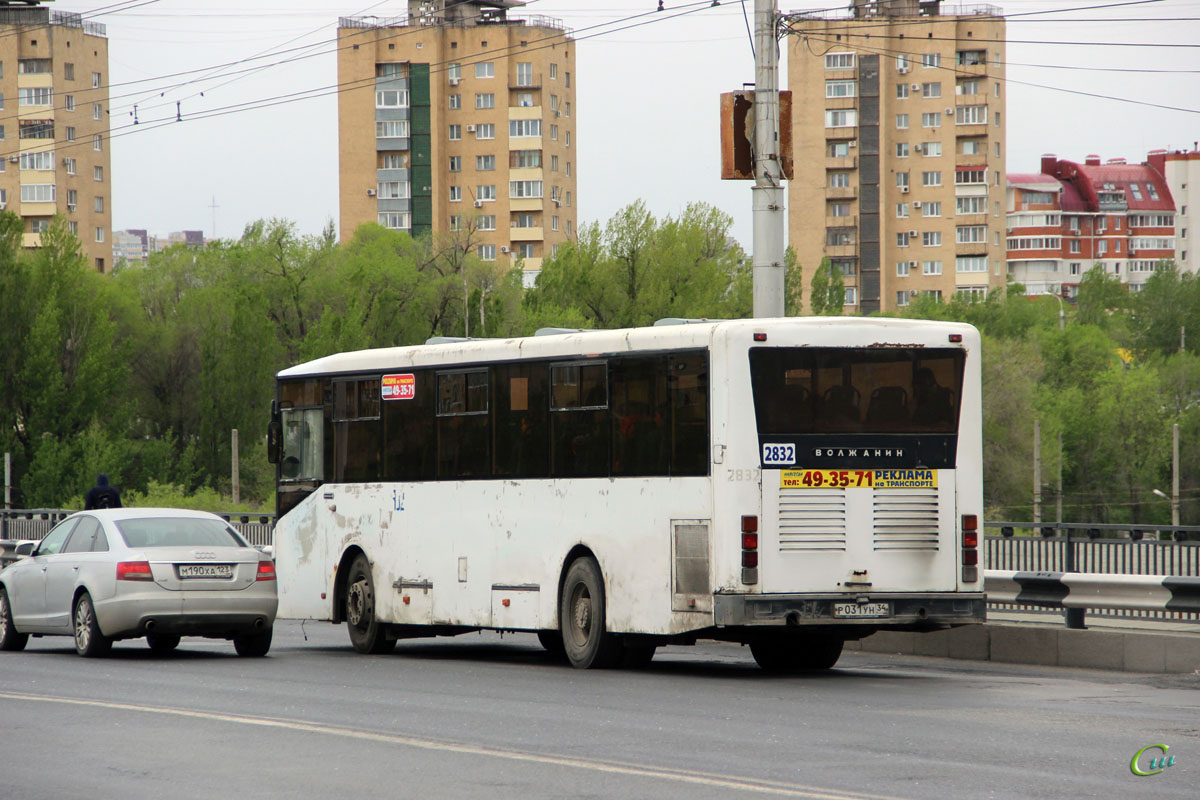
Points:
(34, 523)
(1088, 590)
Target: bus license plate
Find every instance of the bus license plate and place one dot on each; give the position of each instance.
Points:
(205, 570)
(862, 609)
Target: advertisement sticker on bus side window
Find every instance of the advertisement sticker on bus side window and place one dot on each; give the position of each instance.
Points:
(398, 387)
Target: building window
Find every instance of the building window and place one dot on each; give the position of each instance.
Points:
(393, 190)
(33, 66)
(486, 130)
(970, 115)
(524, 221)
(971, 58)
(554, 72)
(933, 89)
(485, 69)
(524, 128)
(970, 234)
(525, 99)
(455, 133)
(1074, 246)
(487, 252)
(40, 161)
(966, 176)
(901, 210)
(970, 264)
(68, 71)
(522, 189)
(932, 208)
(970, 205)
(568, 198)
(901, 91)
(37, 96)
(487, 222)
(522, 159)
(839, 180)
(388, 98)
(455, 222)
(931, 149)
(554, 222)
(525, 73)
(850, 295)
(36, 128)
(931, 119)
(839, 61)
(38, 193)
(455, 194)
(901, 298)
(839, 237)
(969, 87)
(485, 100)
(485, 192)
(567, 139)
(567, 79)
(73, 227)
(841, 88)
(98, 206)
(70, 133)
(931, 177)
(525, 250)
(901, 149)
(901, 122)
(456, 163)
(96, 82)
(997, 148)
(841, 118)
(485, 163)
(902, 180)
(931, 59)
(570, 225)
(838, 149)
(932, 239)
(392, 129)
(554, 133)
(902, 239)
(455, 101)
(902, 269)
(99, 234)
(395, 220)
(454, 72)
(568, 165)
(838, 210)
(931, 268)
(70, 165)
(902, 63)
(98, 174)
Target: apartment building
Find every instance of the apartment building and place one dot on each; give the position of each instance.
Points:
(1181, 168)
(899, 144)
(1071, 216)
(134, 245)
(54, 131)
(460, 118)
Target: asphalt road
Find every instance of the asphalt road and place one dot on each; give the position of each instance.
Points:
(485, 717)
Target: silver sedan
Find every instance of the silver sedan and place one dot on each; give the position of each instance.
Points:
(123, 573)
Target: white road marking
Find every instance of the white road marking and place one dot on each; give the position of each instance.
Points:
(613, 767)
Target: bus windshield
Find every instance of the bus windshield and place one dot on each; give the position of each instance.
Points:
(847, 390)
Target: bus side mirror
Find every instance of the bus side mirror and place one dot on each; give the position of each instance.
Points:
(274, 440)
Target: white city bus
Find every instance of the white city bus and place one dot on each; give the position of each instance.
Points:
(790, 484)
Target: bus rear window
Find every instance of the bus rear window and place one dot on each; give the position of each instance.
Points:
(845, 390)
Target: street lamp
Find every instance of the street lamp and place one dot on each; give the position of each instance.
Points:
(1062, 314)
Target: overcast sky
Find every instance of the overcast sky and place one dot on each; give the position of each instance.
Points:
(647, 102)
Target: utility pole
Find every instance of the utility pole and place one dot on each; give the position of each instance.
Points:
(237, 477)
(768, 169)
(214, 208)
(1175, 474)
(1037, 472)
(8, 478)
(1060, 460)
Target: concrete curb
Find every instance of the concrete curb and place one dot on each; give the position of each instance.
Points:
(1123, 651)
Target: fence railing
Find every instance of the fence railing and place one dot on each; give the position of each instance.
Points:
(34, 523)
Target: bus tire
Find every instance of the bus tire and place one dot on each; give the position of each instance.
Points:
(796, 653)
(582, 618)
(366, 633)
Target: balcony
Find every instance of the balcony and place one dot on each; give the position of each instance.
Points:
(841, 192)
(517, 83)
(847, 132)
(841, 222)
(527, 234)
(844, 162)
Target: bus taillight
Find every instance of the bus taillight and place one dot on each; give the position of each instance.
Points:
(970, 548)
(749, 549)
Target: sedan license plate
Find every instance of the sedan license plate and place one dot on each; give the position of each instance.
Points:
(845, 610)
(205, 570)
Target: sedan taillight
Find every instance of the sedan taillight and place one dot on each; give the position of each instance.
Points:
(266, 571)
(134, 571)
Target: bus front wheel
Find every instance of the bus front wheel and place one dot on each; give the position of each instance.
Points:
(582, 618)
(795, 653)
(366, 634)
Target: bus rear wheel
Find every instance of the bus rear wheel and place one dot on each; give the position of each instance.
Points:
(366, 634)
(796, 653)
(582, 618)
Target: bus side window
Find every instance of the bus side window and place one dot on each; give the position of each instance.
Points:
(357, 428)
(410, 439)
(689, 406)
(641, 410)
(580, 438)
(520, 423)
(462, 425)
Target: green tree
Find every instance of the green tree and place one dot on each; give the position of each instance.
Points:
(1100, 295)
(827, 294)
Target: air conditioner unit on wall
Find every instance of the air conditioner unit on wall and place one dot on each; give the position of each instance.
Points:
(903, 190)
(916, 87)
(14, 159)
(479, 204)
(470, 129)
(917, 204)
(916, 148)
(854, 143)
(454, 81)
(949, 112)
(503, 248)
(370, 192)
(903, 70)
(912, 233)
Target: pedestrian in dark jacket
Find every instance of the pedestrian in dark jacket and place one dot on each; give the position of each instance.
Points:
(102, 495)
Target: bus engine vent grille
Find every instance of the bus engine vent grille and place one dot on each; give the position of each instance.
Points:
(812, 519)
(906, 519)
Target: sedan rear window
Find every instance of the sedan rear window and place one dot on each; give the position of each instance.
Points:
(178, 532)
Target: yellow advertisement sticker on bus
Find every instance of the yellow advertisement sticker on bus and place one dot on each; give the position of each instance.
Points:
(858, 478)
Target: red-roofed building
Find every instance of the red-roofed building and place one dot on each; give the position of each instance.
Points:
(1071, 216)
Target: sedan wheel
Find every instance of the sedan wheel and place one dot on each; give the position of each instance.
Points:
(89, 641)
(9, 638)
(253, 645)
(162, 644)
